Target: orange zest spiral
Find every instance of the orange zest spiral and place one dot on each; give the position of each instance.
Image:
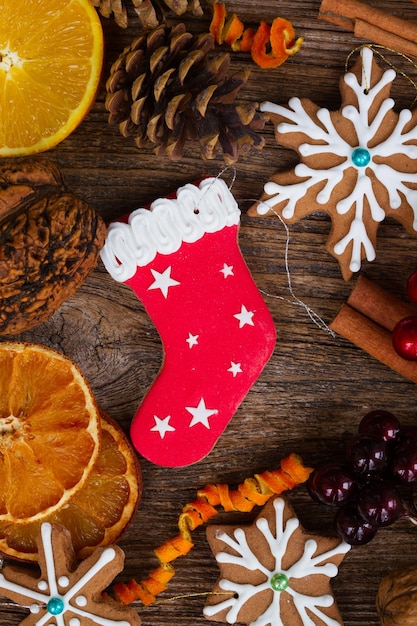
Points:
(254, 491)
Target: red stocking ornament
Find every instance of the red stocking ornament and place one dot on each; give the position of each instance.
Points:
(182, 259)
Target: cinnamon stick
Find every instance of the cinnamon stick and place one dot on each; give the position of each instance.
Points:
(378, 304)
(370, 32)
(371, 24)
(373, 338)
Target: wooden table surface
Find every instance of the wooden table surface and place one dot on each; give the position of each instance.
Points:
(315, 388)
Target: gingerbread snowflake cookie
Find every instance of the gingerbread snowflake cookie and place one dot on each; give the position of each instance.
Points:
(273, 572)
(66, 595)
(358, 164)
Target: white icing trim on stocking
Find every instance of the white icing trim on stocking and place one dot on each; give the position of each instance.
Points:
(194, 212)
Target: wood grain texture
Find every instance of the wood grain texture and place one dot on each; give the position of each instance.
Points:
(315, 388)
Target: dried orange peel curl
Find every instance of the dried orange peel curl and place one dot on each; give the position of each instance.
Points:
(254, 491)
(280, 38)
(218, 22)
(269, 45)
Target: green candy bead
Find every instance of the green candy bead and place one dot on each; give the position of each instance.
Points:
(279, 582)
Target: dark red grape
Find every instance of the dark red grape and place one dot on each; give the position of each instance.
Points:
(404, 338)
(408, 435)
(380, 503)
(366, 455)
(352, 527)
(330, 484)
(380, 424)
(404, 462)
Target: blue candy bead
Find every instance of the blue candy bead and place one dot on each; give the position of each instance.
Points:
(55, 606)
(361, 157)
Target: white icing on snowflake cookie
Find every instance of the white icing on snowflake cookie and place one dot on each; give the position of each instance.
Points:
(358, 164)
(276, 573)
(66, 595)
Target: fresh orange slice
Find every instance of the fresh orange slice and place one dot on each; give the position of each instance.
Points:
(99, 513)
(51, 55)
(50, 431)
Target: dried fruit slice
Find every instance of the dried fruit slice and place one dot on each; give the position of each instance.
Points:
(99, 513)
(50, 431)
(51, 54)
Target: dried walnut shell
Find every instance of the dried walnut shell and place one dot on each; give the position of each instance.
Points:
(396, 600)
(49, 242)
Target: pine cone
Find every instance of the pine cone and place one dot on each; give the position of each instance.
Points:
(165, 88)
(150, 12)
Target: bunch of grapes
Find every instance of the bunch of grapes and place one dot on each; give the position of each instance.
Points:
(371, 486)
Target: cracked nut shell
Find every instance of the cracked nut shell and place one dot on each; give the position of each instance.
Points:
(49, 243)
(396, 599)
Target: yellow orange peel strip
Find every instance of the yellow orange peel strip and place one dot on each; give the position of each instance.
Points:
(254, 491)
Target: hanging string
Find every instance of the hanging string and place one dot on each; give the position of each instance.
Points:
(226, 169)
(377, 48)
(315, 317)
(219, 175)
(195, 594)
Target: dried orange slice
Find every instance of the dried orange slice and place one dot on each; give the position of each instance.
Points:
(51, 55)
(50, 431)
(99, 513)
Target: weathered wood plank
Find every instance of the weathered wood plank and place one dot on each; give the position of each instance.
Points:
(315, 388)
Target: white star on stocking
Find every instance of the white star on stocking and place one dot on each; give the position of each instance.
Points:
(244, 317)
(235, 368)
(200, 414)
(227, 270)
(163, 281)
(192, 340)
(162, 426)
